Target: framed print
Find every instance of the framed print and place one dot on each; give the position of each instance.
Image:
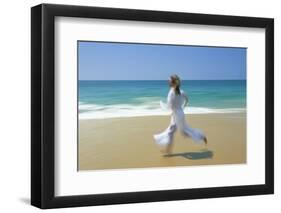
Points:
(139, 106)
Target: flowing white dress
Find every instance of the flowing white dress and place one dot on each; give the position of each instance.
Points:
(176, 103)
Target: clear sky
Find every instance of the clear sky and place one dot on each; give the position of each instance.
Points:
(129, 61)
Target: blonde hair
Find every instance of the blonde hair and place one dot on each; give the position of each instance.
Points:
(175, 80)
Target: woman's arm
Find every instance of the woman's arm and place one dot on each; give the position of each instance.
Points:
(170, 100)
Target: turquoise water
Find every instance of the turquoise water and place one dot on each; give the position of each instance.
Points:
(103, 99)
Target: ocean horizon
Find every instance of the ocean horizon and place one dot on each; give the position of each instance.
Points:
(100, 99)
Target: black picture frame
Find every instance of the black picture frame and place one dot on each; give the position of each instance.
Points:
(43, 102)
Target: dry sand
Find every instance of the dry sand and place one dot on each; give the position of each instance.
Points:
(119, 143)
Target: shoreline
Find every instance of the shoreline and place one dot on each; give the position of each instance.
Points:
(187, 113)
(122, 143)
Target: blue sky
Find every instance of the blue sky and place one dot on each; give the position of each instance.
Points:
(130, 61)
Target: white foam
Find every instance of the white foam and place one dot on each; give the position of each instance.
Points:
(93, 111)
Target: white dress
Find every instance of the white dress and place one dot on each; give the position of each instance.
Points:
(176, 103)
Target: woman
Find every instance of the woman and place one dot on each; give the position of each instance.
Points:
(176, 101)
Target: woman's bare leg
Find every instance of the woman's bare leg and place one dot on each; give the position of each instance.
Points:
(169, 148)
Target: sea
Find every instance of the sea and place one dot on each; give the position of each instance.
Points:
(100, 99)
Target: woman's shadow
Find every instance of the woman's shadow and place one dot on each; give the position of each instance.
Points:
(204, 154)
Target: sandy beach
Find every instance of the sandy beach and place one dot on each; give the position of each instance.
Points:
(118, 143)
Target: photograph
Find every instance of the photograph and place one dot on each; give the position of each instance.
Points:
(146, 105)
